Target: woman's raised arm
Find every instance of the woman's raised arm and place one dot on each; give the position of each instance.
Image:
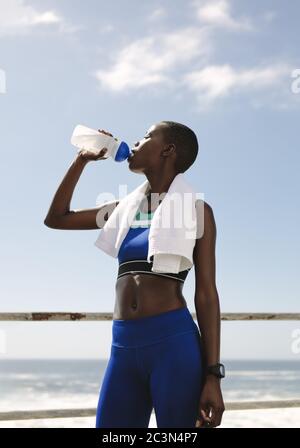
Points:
(60, 216)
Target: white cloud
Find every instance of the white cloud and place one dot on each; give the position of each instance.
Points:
(217, 13)
(106, 28)
(216, 81)
(17, 17)
(148, 61)
(157, 14)
(46, 18)
(181, 60)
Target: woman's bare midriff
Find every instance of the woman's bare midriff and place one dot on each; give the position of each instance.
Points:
(143, 295)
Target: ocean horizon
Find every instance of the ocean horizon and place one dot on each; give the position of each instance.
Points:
(53, 383)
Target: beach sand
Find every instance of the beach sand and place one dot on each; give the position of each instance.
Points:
(262, 418)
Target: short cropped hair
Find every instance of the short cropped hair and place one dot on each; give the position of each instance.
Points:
(186, 143)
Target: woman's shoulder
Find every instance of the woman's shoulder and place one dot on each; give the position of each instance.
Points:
(203, 205)
(205, 218)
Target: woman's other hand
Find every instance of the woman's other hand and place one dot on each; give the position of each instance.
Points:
(211, 406)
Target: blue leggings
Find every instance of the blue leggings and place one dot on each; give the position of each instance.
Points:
(155, 362)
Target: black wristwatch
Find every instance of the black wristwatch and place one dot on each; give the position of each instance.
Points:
(217, 370)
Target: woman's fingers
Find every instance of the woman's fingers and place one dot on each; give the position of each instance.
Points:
(105, 132)
(101, 153)
(206, 417)
(92, 155)
(217, 416)
(199, 423)
(203, 418)
(203, 421)
(211, 418)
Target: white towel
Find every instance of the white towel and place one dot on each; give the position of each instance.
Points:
(173, 229)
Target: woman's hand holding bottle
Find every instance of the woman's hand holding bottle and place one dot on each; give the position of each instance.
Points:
(87, 155)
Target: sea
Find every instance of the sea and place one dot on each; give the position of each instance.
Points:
(39, 384)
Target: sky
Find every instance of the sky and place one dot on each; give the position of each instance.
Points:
(229, 70)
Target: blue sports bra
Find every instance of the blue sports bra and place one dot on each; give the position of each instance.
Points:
(133, 251)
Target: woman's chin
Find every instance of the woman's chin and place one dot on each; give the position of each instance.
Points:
(135, 170)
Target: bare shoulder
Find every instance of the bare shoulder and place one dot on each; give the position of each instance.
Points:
(205, 218)
(201, 203)
(204, 249)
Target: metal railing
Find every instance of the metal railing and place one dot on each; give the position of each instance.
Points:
(91, 412)
(70, 316)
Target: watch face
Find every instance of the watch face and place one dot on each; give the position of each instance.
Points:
(215, 370)
(218, 370)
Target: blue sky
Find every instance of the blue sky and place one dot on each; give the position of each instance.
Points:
(227, 69)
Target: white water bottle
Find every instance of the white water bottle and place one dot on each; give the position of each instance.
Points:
(92, 140)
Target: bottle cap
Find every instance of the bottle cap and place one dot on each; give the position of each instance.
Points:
(122, 153)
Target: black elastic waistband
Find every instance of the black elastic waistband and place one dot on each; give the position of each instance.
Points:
(144, 267)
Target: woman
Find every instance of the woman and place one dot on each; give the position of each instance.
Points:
(158, 357)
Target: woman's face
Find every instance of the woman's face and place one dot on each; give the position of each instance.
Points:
(147, 151)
